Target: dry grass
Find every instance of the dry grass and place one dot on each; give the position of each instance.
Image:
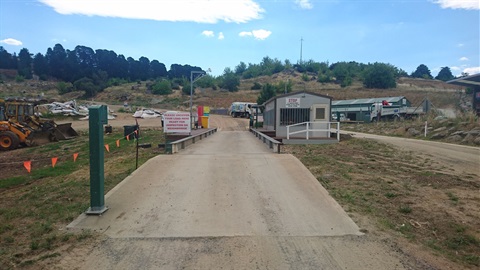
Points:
(406, 195)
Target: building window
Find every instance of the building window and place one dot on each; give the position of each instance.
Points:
(319, 113)
(290, 116)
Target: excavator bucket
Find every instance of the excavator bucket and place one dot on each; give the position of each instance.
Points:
(64, 132)
(40, 138)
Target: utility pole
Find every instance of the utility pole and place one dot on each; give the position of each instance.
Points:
(301, 47)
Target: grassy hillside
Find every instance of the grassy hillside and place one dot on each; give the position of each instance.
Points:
(441, 94)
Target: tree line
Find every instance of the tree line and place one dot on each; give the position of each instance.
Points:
(88, 69)
(93, 70)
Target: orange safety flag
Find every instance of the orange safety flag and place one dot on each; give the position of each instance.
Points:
(118, 143)
(75, 157)
(107, 147)
(128, 137)
(54, 161)
(28, 165)
(136, 131)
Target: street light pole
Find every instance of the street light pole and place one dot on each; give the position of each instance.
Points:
(202, 73)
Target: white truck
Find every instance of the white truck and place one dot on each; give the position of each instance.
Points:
(385, 110)
(242, 109)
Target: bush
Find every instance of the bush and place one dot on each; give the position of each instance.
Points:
(64, 88)
(19, 78)
(162, 88)
(256, 86)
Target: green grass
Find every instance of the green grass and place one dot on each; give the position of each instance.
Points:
(452, 197)
(405, 209)
(49, 198)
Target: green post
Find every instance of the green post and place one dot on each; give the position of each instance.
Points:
(97, 117)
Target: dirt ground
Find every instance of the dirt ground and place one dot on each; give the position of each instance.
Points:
(222, 122)
(431, 200)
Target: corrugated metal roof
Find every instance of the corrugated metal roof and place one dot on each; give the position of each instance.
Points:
(295, 93)
(473, 80)
(353, 109)
(364, 101)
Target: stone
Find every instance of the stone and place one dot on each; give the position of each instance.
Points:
(413, 132)
(469, 138)
(440, 129)
(454, 138)
(461, 133)
(474, 132)
(477, 141)
(439, 135)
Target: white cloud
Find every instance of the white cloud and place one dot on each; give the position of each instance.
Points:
(463, 59)
(305, 4)
(245, 34)
(257, 34)
(261, 34)
(460, 45)
(221, 36)
(208, 33)
(200, 11)
(472, 70)
(11, 41)
(454, 68)
(458, 4)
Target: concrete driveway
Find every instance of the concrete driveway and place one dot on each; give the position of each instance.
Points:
(226, 203)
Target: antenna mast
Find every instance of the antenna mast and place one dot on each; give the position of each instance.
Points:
(301, 47)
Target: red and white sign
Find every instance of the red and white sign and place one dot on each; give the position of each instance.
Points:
(292, 102)
(176, 122)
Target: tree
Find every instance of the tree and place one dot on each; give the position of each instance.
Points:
(423, 72)
(56, 59)
(240, 68)
(40, 66)
(379, 75)
(6, 59)
(230, 80)
(25, 64)
(157, 69)
(268, 91)
(144, 68)
(445, 74)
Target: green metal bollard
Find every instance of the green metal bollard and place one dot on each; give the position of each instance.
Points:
(97, 117)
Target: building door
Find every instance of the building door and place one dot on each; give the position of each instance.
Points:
(320, 117)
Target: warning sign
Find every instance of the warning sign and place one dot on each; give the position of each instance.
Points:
(176, 122)
(292, 102)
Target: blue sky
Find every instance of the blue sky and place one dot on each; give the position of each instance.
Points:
(217, 34)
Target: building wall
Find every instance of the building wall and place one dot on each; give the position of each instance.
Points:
(300, 100)
(269, 116)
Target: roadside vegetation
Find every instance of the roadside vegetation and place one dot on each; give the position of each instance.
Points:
(35, 207)
(405, 195)
(463, 129)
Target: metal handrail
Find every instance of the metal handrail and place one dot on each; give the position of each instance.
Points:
(308, 130)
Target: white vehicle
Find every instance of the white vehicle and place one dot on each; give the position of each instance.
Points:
(242, 109)
(384, 110)
(342, 117)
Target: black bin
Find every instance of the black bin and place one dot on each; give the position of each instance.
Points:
(130, 131)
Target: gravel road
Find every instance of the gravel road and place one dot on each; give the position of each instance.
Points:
(459, 158)
(226, 203)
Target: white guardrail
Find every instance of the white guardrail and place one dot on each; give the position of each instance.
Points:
(310, 127)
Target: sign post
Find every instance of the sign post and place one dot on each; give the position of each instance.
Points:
(97, 117)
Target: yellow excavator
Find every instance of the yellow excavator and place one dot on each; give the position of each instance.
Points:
(13, 134)
(18, 118)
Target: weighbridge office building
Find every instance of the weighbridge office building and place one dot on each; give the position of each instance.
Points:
(293, 108)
